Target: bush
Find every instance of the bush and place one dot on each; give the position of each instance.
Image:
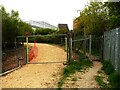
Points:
(101, 82)
(48, 39)
(44, 31)
(107, 67)
(114, 79)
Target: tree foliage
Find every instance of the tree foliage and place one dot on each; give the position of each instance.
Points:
(113, 14)
(12, 26)
(98, 17)
(44, 31)
(92, 19)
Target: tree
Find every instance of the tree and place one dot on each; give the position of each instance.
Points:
(92, 19)
(11, 27)
(113, 14)
(24, 28)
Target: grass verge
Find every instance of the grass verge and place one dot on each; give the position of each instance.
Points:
(100, 82)
(113, 76)
(74, 66)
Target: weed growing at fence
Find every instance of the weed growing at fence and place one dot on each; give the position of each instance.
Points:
(100, 81)
(114, 77)
(74, 66)
(107, 67)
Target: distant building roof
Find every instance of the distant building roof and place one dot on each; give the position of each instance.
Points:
(63, 26)
(40, 24)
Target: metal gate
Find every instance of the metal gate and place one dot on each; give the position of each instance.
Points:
(35, 43)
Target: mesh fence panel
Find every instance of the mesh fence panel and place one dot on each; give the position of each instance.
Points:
(97, 46)
(80, 45)
(93, 46)
(10, 58)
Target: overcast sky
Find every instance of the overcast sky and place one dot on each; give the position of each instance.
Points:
(51, 11)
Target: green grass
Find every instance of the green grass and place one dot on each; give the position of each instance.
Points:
(100, 81)
(114, 79)
(107, 67)
(72, 68)
(113, 76)
(74, 79)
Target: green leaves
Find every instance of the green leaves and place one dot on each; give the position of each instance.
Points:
(113, 14)
(90, 18)
(114, 77)
(44, 31)
(12, 26)
(98, 17)
(100, 81)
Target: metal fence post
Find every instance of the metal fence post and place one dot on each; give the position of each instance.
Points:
(70, 49)
(84, 46)
(15, 43)
(65, 43)
(67, 50)
(27, 50)
(90, 42)
(102, 45)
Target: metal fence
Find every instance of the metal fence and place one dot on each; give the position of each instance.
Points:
(111, 50)
(91, 46)
(97, 46)
(105, 47)
(13, 58)
(79, 45)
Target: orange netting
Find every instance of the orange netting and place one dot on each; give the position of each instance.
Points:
(33, 53)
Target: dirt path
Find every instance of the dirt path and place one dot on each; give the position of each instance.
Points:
(48, 75)
(84, 79)
(38, 75)
(49, 53)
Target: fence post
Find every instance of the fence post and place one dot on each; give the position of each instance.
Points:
(116, 50)
(65, 43)
(27, 50)
(67, 49)
(90, 42)
(70, 49)
(102, 45)
(15, 43)
(85, 46)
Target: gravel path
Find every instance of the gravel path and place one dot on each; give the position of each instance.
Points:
(38, 75)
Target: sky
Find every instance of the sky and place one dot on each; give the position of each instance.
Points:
(51, 11)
